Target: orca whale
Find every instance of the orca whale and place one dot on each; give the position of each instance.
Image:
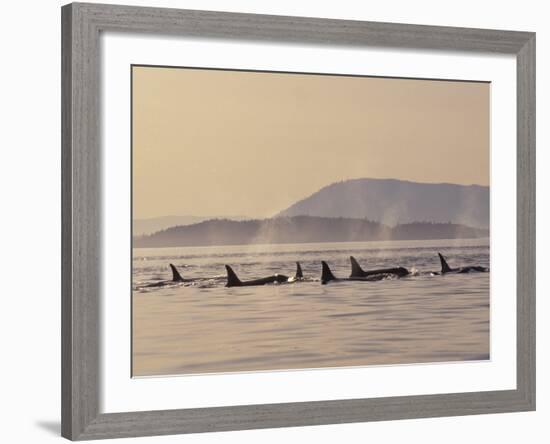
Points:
(176, 278)
(468, 269)
(327, 276)
(299, 276)
(357, 271)
(234, 281)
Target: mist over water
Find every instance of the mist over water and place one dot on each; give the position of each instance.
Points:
(204, 327)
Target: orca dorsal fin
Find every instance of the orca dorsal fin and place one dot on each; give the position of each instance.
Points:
(326, 275)
(176, 276)
(356, 270)
(444, 265)
(299, 274)
(232, 278)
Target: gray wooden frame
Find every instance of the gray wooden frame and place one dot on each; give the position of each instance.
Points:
(81, 171)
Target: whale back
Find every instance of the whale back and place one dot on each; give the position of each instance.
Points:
(176, 276)
(299, 274)
(356, 270)
(444, 265)
(326, 275)
(232, 278)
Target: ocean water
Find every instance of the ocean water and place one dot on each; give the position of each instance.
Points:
(204, 327)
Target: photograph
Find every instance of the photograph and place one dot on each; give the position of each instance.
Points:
(296, 220)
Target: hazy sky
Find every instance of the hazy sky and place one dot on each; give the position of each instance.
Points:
(221, 143)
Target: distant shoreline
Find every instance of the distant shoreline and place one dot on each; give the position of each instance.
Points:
(299, 230)
(374, 242)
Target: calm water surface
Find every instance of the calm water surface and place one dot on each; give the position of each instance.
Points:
(203, 327)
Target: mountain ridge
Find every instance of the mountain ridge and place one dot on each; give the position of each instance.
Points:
(150, 225)
(394, 201)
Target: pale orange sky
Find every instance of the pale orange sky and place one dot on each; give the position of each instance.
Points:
(228, 143)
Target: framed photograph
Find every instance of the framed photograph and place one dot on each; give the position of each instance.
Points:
(278, 221)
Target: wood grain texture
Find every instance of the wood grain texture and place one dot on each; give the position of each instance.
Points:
(230, 25)
(81, 205)
(526, 221)
(119, 425)
(66, 223)
(81, 222)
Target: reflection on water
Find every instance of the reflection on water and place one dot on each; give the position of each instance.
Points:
(203, 327)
